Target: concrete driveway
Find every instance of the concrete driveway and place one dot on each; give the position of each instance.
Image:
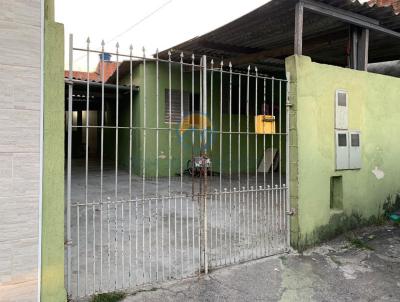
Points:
(360, 266)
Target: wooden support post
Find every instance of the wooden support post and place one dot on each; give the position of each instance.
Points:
(298, 31)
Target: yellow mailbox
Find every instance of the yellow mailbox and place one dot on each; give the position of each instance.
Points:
(265, 124)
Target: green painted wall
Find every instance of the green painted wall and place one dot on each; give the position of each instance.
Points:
(374, 103)
(52, 278)
(186, 138)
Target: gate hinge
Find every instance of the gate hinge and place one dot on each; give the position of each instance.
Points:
(69, 82)
(289, 105)
(67, 242)
(291, 212)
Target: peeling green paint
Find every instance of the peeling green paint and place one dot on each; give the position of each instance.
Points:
(373, 104)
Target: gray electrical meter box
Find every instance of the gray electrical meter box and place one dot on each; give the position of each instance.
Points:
(341, 110)
(342, 150)
(347, 142)
(354, 150)
(348, 149)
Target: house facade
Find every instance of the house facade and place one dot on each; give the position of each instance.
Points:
(187, 116)
(275, 135)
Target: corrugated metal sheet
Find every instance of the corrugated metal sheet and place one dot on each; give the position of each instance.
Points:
(271, 28)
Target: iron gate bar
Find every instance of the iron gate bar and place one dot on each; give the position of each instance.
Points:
(101, 162)
(256, 159)
(69, 168)
(157, 159)
(130, 157)
(143, 163)
(86, 163)
(166, 129)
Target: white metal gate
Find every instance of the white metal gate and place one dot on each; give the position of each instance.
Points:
(171, 178)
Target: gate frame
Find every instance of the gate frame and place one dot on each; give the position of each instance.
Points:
(203, 215)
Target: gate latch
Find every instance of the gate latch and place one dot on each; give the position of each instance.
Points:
(291, 212)
(67, 242)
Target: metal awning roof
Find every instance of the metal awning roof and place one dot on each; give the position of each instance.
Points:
(265, 36)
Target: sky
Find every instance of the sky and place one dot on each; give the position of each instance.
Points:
(151, 24)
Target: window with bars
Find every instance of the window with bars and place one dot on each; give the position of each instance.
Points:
(179, 100)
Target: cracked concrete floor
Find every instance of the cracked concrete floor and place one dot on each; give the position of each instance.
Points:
(335, 271)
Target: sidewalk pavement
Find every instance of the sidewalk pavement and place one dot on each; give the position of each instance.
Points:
(360, 266)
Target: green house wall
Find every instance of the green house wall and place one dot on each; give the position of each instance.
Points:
(147, 146)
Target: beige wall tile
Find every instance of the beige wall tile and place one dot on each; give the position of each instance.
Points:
(20, 44)
(19, 148)
(21, 11)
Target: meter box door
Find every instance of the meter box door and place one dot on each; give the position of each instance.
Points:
(341, 110)
(354, 150)
(342, 149)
